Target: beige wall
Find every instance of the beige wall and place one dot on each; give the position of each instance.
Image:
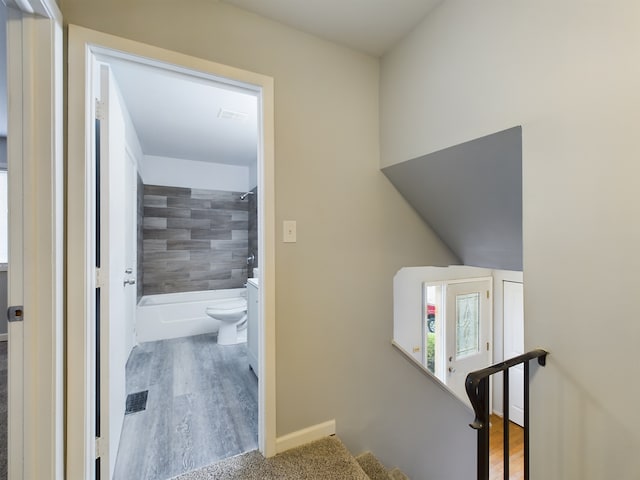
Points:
(569, 73)
(334, 286)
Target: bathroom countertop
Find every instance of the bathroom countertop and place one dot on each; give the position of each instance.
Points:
(254, 281)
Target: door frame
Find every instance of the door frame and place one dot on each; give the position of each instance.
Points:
(83, 43)
(508, 329)
(36, 238)
(500, 276)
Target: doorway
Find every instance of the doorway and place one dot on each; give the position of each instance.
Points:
(103, 409)
(175, 394)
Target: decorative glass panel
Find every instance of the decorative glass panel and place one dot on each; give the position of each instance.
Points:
(467, 324)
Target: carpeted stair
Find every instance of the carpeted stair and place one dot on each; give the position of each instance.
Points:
(376, 470)
(326, 459)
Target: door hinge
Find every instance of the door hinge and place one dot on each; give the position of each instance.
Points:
(15, 313)
(99, 451)
(98, 278)
(99, 110)
(488, 348)
(487, 293)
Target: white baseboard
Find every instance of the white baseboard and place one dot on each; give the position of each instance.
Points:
(306, 435)
(4, 337)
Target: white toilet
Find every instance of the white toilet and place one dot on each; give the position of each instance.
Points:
(231, 312)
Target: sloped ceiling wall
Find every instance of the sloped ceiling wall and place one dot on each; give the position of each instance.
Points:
(471, 195)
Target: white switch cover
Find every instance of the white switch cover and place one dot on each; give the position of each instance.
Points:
(289, 231)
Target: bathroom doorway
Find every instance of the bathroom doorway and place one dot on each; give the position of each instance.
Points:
(171, 239)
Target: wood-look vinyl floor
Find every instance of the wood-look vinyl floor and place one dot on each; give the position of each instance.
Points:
(202, 407)
(516, 450)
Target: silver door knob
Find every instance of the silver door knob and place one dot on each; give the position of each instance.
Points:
(452, 369)
(129, 281)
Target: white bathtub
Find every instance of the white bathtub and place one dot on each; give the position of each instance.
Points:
(174, 315)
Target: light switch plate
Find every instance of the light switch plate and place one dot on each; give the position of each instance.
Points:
(289, 231)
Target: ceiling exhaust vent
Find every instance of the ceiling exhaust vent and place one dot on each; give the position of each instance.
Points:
(231, 115)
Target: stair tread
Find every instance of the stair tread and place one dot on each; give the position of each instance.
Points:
(372, 466)
(397, 474)
(325, 459)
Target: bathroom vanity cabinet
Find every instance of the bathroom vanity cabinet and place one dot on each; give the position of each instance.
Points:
(253, 317)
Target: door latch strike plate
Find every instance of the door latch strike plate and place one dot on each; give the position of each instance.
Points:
(15, 313)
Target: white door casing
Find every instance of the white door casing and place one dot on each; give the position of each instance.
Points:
(84, 45)
(513, 313)
(468, 318)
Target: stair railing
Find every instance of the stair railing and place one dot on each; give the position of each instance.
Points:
(477, 386)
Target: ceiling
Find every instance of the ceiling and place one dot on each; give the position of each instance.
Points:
(371, 26)
(181, 116)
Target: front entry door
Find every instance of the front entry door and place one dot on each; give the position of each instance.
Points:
(468, 331)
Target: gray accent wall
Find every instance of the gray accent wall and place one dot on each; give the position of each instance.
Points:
(3, 153)
(4, 300)
(193, 240)
(471, 195)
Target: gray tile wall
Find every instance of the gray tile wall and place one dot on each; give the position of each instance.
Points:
(253, 227)
(193, 240)
(139, 237)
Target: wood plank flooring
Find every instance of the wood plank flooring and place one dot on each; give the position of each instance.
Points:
(516, 450)
(202, 407)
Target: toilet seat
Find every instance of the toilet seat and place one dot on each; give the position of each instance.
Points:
(227, 307)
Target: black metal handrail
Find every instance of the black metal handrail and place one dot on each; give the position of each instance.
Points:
(477, 386)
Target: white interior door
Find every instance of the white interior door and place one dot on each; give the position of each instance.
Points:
(514, 346)
(468, 318)
(34, 70)
(130, 250)
(115, 288)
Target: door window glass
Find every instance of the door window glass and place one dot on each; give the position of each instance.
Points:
(467, 324)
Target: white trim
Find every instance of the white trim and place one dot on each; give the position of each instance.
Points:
(44, 8)
(458, 280)
(83, 45)
(425, 371)
(306, 435)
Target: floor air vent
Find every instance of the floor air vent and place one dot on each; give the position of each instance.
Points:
(136, 402)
